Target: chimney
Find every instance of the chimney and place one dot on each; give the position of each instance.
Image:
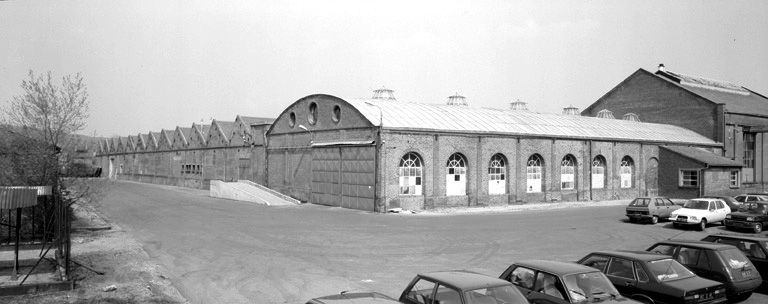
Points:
(384, 94)
(570, 110)
(661, 67)
(518, 105)
(457, 100)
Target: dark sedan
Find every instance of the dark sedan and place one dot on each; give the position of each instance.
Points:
(654, 278)
(750, 215)
(562, 283)
(754, 247)
(460, 287)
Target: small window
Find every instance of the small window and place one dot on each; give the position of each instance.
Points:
(596, 261)
(734, 179)
(621, 268)
(292, 119)
(663, 249)
(336, 114)
(522, 277)
(421, 292)
(447, 295)
(689, 178)
(549, 285)
(312, 116)
(688, 256)
(640, 272)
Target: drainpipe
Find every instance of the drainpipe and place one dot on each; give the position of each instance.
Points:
(589, 165)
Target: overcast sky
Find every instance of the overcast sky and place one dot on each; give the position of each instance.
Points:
(153, 65)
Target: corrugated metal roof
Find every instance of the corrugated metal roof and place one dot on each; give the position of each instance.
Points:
(736, 98)
(436, 117)
(17, 197)
(703, 156)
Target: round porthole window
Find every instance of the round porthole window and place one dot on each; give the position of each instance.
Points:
(336, 114)
(312, 116)
(292, 119)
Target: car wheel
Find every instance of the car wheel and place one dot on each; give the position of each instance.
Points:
(654, 219)
(703, 224)
(757, 228)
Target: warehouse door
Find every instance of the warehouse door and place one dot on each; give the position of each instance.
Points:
(326, 176)
(358, 177)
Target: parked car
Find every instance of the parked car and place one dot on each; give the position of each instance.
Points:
(561, 282)
(354, 298)
(460, 287)
(700, 212)
(751, 197)
(650, 209)
(719, 262)
(751, 215)
(755, 248)
(730, 201)
(654, 278)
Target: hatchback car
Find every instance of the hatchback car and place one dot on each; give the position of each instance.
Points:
(460, 287)
(651, 209)
(719, 262)
(700, 212)
(752, 215)
(561, 283)
(755, 248)
(751, 197)
(654, 278)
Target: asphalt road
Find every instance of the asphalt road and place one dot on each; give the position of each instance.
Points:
(223, 251)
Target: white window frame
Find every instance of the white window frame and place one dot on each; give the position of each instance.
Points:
(410, 175)
(497, 170)
(533, 174)
(626, 172)
(735, 177)
(692, 181)
(456, 175)
(568, 173)
(598, 172)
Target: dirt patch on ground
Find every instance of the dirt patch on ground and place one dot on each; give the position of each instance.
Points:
(129, 276)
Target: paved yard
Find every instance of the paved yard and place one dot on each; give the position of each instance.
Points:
(222, 251)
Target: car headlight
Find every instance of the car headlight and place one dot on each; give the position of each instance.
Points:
(750, 218)
(728, 216)
(693, 218)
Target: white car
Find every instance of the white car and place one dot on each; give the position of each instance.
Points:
(700, 211)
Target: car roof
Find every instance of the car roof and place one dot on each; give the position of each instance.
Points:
(555, 267)
(740, 237)
(633, 255)
(650, 197)
(706, 198)
(697, 244)
(464, 280)
(355, 298)
(717, 196)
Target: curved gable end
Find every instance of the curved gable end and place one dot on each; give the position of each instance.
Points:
(330, 113)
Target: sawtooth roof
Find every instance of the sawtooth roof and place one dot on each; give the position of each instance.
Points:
(399, 115)
(250, 120)
(737, 99)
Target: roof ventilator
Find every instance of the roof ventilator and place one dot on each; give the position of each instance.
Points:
(457, 100)
(605, 113)
(518, 105)
(631, 117)
(384, 94)
(570, 110)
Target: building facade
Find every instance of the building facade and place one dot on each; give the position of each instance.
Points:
(724, 112)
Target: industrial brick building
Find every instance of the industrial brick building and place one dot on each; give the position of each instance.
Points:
(379, 153)
(727, 113)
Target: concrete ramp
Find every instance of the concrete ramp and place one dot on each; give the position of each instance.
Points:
(245, 190)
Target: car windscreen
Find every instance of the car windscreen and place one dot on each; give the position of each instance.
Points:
(734, 258)
(697, 205)
(668, 270)
(640, 202)
(589, 287)
(754, 208)
(498, 294)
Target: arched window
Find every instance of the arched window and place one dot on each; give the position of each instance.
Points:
(410, 174)
(456, 175)
(534, 174)
(626, 172)
(568, 173)
(497, 175)
(598, 172)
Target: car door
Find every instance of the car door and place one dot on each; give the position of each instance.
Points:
(696, 260)
(523, 278)
(662, 209)
(621, 272)
(421, 291)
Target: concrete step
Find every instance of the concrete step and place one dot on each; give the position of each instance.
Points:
(250, 192)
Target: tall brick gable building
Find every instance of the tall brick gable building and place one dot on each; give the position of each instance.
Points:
(722, 111)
